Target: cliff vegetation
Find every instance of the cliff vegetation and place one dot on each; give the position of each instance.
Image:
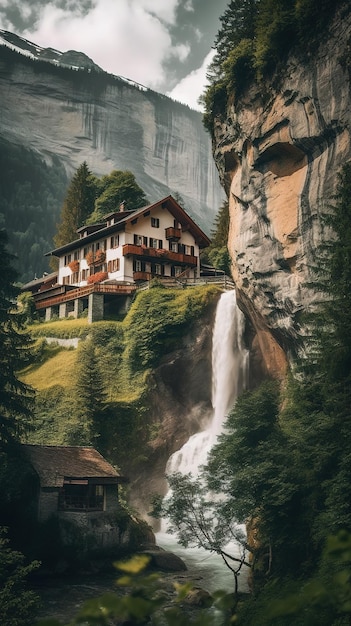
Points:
(100, 393)
(254, 41)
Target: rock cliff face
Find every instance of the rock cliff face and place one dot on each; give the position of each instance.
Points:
(93, 116)
(111, 126)
(180, 404)
(278, 154)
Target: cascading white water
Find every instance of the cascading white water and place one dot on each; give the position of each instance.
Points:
(229, 373)
(229, 378)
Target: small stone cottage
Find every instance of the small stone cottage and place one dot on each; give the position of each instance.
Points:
(78, 486)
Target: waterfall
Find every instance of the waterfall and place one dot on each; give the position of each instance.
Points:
(229, 378)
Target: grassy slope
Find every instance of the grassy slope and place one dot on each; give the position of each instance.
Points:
(127, 352)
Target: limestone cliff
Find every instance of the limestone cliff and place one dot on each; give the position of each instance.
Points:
(65, 117)
(278, 150)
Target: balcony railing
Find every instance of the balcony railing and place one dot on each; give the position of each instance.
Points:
(84, 292)
(173, 233)
(130, 249)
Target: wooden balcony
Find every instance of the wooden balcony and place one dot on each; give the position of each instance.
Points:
(142, 276)
(84, 292)
(173, 233)
(178, 258)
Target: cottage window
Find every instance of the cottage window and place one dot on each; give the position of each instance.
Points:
(76, 255)
(153, 243)
(155, 222)
(85, 274)
(80, 495)
(173, 245)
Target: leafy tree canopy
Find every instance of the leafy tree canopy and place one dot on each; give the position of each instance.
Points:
(114, 189)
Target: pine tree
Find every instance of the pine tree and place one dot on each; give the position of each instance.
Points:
(237, 23)
(15, 396)
(90, 400)
(77, 206)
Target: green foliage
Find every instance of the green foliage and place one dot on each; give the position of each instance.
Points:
(200, 519)
(18, 605)
(77, 206)
(26, 307)
(124, 354)
(90, 395)
(141, 598)
(322, 600)
(276, 31)
(30, 196)
(254, 467)
(116, 188)
(156, 321)
(254, 39)
(15, 396)
(217, 252)
(65, 328)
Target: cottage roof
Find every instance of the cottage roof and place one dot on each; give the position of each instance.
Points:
(128, 217)
(54, 464)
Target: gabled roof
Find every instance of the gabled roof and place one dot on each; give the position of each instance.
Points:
(131, 217)
(37, 282)
(54, 464)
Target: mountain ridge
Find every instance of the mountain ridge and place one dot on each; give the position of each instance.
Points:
(60, 117)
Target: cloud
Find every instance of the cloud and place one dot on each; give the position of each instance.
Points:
(153, 42)
(190, 88)
(125, 37)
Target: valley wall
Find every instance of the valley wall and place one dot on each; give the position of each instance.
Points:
(74, 116)
(278, 151)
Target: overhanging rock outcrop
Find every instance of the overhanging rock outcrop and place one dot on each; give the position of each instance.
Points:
(278, 155)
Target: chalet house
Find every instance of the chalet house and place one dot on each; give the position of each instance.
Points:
(101, 269)
(73, 482)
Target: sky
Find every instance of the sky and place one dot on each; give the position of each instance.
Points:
(165, 45)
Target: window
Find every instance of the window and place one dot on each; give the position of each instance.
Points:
(155, 222)
(84, 274)
(157, 269)
(113, 266)
(65, 280)
(176, 270)
(74, 278)
(80, 495)
(138, 240)
(153, 243)
(173, 246)
(138, 266)
(76, 255)
(114, 241)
